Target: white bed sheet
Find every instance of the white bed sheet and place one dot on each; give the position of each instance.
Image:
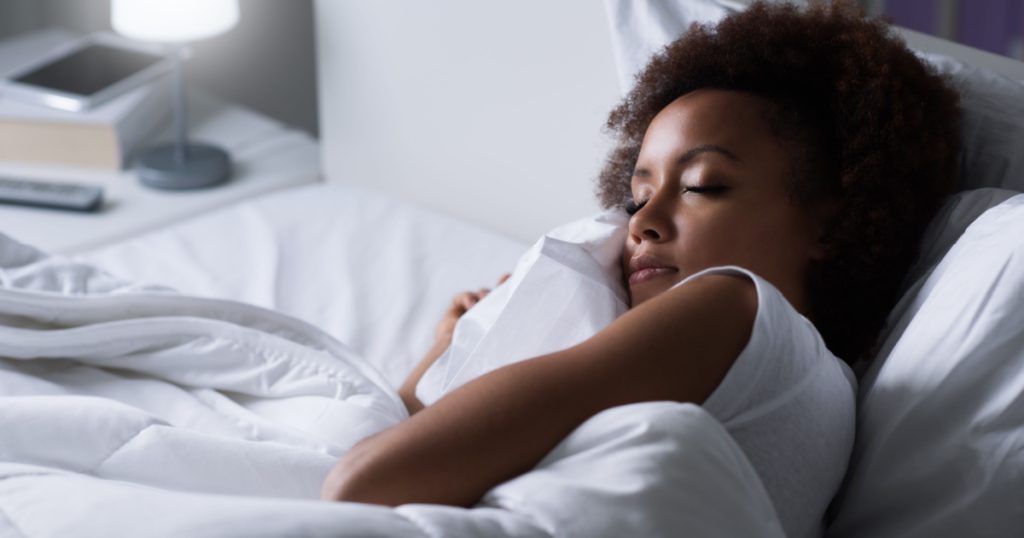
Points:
(372, 271)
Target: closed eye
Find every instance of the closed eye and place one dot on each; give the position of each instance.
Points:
(712, 189)
(632, 207)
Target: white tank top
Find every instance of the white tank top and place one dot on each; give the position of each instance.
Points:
(790, 404)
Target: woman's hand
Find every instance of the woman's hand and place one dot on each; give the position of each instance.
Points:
(460, 304)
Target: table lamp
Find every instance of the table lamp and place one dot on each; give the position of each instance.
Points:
(181, 165)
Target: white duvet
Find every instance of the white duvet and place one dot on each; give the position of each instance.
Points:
(132, 410)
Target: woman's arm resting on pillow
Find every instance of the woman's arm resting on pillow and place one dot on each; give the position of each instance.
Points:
(676, 346)
(460, 304)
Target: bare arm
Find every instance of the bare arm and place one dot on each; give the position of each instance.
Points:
(408, 390)
(676, 346)
(460, 304)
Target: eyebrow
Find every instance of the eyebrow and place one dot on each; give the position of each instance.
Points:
(692, 153)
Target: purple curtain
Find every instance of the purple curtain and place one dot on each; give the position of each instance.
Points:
(920, 15)
(993, 25)
(990, 24)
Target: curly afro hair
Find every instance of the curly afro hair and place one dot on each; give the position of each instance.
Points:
(865, 123)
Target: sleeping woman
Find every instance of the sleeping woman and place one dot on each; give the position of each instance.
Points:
(779, 170)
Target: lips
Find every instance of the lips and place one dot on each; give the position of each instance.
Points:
(645, 267)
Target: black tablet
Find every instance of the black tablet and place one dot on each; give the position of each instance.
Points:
(91, 71)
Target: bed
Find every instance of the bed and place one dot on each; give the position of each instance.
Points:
(220, 365)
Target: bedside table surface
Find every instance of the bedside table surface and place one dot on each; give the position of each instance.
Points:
(266, 156)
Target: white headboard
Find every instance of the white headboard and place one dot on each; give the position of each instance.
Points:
(490, 111)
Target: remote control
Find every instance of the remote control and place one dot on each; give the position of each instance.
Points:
(72, 196)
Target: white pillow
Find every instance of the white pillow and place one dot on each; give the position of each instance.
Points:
(940, 438)
(993, 125)
(573, 271)
(993, 105)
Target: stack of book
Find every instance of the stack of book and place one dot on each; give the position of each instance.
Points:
(98, 142)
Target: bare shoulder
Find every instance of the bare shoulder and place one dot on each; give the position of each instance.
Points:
(726, 301)
(726, 294)
(680, 344)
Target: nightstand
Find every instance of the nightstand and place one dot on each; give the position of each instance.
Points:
(267, 156)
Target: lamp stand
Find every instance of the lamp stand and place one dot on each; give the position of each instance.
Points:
(181, 165)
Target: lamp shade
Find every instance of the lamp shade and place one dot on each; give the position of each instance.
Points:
(173, 21)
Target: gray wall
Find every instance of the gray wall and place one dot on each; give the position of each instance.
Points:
(267, 62)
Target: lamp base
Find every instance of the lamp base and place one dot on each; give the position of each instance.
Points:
(203, 166)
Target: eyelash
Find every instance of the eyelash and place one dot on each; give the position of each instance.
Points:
(633, 207)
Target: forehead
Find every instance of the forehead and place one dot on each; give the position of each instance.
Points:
(733, 119)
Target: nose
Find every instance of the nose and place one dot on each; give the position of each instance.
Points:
(651, 223)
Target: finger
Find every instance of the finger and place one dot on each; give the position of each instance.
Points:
(504, 278)
(461, 298)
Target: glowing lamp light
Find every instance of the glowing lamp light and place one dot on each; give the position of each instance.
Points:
(173, 21)
(181, 165)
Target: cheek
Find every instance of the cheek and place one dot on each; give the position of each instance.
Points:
(724, 224)
(776, 235)
(736, 232)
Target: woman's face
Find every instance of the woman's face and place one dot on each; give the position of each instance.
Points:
(710, 181)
